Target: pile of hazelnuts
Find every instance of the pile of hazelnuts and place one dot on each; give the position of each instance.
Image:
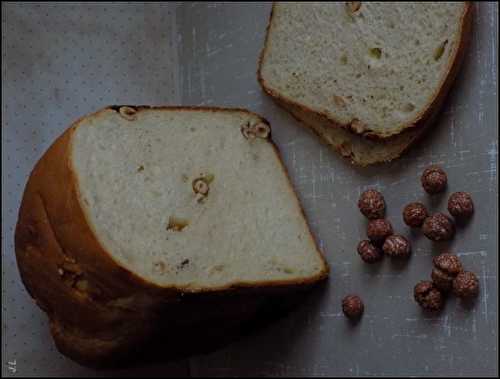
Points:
(448, 274)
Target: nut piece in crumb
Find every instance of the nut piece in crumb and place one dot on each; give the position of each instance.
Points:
(460, 205)
(371, 203)
(369, 253)
(262, 130)
(352, 306)
(434, 179)
(339, 101)
(378, 230)
(414, 214)
(200, 186)
(258, 130)
(159, 267)
(209, 178)
(439, 51)
(438, 227)
(247, 131)
(128, 113)
(358, 126)
(428, 296)
(397, 246)
(466, 285)
(446, 267)
(176, 224)
(353, 6)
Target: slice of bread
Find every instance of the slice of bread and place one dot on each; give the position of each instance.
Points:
(133, 208)
(358, 150)
(372, 69)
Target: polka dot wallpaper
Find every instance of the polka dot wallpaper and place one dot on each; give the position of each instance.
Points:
(60, 62)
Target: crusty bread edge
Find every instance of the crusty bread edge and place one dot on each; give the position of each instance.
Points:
(420, 121)
(118, 311)
(344, 151)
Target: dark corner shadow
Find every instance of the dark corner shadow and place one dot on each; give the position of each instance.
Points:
(206, 324)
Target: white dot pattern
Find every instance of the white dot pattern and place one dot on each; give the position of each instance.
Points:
(60, 62)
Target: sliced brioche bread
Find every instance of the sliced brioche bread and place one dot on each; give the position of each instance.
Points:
(372, 69)
(358, 150)
(133, 207)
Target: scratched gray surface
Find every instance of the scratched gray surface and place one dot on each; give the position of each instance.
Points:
(60, 62)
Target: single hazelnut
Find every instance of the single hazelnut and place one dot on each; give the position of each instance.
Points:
(200, 186)
(128, 113)
(438, 227)
(353, 6)
(466, 285)
(434, 179)
(428, 296)
(460, 205)
(358, 126)
(352, 306)
(262, 130)
(378, 230)
(397, 246)
(247, 131)
(446, 267)
(368, 252)
(414, 214)
(371, 203)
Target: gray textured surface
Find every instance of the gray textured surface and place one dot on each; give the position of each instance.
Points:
(60, 62)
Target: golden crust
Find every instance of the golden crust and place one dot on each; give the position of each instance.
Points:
(99, 311)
